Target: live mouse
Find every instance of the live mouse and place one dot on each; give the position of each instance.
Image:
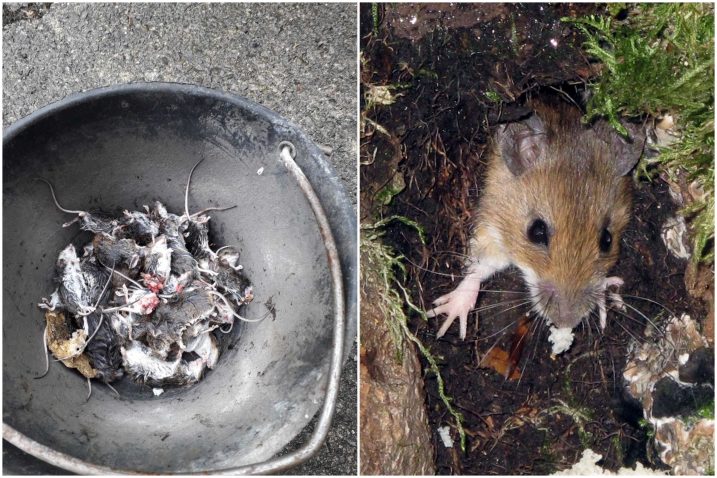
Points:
(557, 196)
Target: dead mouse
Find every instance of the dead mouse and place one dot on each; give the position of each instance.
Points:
(556, 200)
(94, 222)
(145, 367)
(120, 252)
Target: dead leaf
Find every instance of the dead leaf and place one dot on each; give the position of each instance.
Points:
(499, 360)
(506, 363)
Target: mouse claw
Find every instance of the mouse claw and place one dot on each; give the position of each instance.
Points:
(444, 327)
(442, 299)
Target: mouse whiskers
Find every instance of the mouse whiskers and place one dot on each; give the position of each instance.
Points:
(459, 274)
(536, 330)
(500, 334)
(662, 306)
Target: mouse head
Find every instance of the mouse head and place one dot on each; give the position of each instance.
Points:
(569, 198)
(67, 259)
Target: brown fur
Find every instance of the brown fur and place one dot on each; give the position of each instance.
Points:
(577, 191)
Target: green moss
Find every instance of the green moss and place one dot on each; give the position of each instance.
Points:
(617, 445)
(616, 8)
(493, 96)
(573, 407)
(374, 18)
(660, 61)
(381, 258)
(707, 410)
(581, 416)
(394, 186)
(546, 465)
(647, 427)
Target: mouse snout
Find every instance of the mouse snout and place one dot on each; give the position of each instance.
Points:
(563, 307)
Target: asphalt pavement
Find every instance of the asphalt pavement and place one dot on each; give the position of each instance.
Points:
(296, 59)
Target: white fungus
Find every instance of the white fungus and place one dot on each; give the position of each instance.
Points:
(587, 466)
(445, 434)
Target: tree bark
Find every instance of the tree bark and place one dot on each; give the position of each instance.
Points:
(395, 438)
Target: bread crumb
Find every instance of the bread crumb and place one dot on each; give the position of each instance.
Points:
(561, 339)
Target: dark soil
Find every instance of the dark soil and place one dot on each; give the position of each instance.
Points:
(444, 59)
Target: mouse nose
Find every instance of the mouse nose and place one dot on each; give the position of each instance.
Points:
(565, 318)
(562, 309)
(547, 290)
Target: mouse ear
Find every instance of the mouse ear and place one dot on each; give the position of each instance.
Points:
(522, 145)
(626, 151)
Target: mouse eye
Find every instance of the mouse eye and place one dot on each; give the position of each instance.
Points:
(538, 232)
(605, 240)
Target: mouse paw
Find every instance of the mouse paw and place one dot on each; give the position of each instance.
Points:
(614, 297)
(456, 304)
(616, 301)
(613, 281)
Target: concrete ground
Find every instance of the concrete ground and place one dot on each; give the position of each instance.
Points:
(296, 59)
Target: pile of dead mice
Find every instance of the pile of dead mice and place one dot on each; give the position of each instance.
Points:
(146, 297)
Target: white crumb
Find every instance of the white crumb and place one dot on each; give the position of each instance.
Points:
(157, 391)
(588, 466)
(261, 170)
(445, 434)
(561, 339)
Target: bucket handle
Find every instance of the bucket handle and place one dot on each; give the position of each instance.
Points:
(287, 153)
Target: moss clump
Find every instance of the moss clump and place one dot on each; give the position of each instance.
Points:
(707, 410)
(647, 427)
(546, 465)
(375, 18)
(659, 61)
(581, 416)
(381, 258)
